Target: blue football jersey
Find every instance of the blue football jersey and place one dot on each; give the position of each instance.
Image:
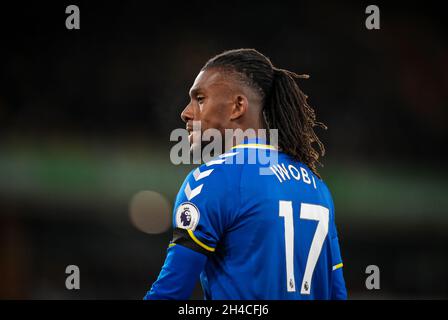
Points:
(266, 223)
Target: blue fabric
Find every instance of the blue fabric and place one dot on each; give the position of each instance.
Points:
(234, 211)
(179, 275)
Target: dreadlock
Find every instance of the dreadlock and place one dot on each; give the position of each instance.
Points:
(285, 106)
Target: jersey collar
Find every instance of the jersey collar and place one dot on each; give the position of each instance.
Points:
(254, 143)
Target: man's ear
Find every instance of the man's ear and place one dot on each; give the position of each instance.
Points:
(240, 107)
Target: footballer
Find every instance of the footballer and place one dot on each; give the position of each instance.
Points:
(244, 234)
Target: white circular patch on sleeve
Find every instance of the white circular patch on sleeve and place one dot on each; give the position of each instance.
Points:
(187, 216)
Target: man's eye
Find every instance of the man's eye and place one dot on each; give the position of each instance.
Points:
(200, 99)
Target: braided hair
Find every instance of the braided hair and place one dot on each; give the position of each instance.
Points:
(284, 105)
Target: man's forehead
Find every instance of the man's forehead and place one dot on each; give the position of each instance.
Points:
(209, 78)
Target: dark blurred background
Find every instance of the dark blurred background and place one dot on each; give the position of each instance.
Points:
(86, 117)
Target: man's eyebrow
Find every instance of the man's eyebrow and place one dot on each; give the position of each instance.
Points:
(193, 92)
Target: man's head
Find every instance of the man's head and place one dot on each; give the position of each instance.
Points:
(221, 98)
(241, 89)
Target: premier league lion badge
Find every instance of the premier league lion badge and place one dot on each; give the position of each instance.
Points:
(187, 216)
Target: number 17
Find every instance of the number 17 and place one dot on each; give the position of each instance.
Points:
(308, 212)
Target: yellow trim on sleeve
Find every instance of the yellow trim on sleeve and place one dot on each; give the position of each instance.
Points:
(338, 266)
(171, 245)
(255, 146)
(206, 247)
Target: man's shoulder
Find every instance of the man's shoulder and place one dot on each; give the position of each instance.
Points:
(212, 187)
(220, 172)
(227, 172)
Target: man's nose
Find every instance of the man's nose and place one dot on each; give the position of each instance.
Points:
(187, 113)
